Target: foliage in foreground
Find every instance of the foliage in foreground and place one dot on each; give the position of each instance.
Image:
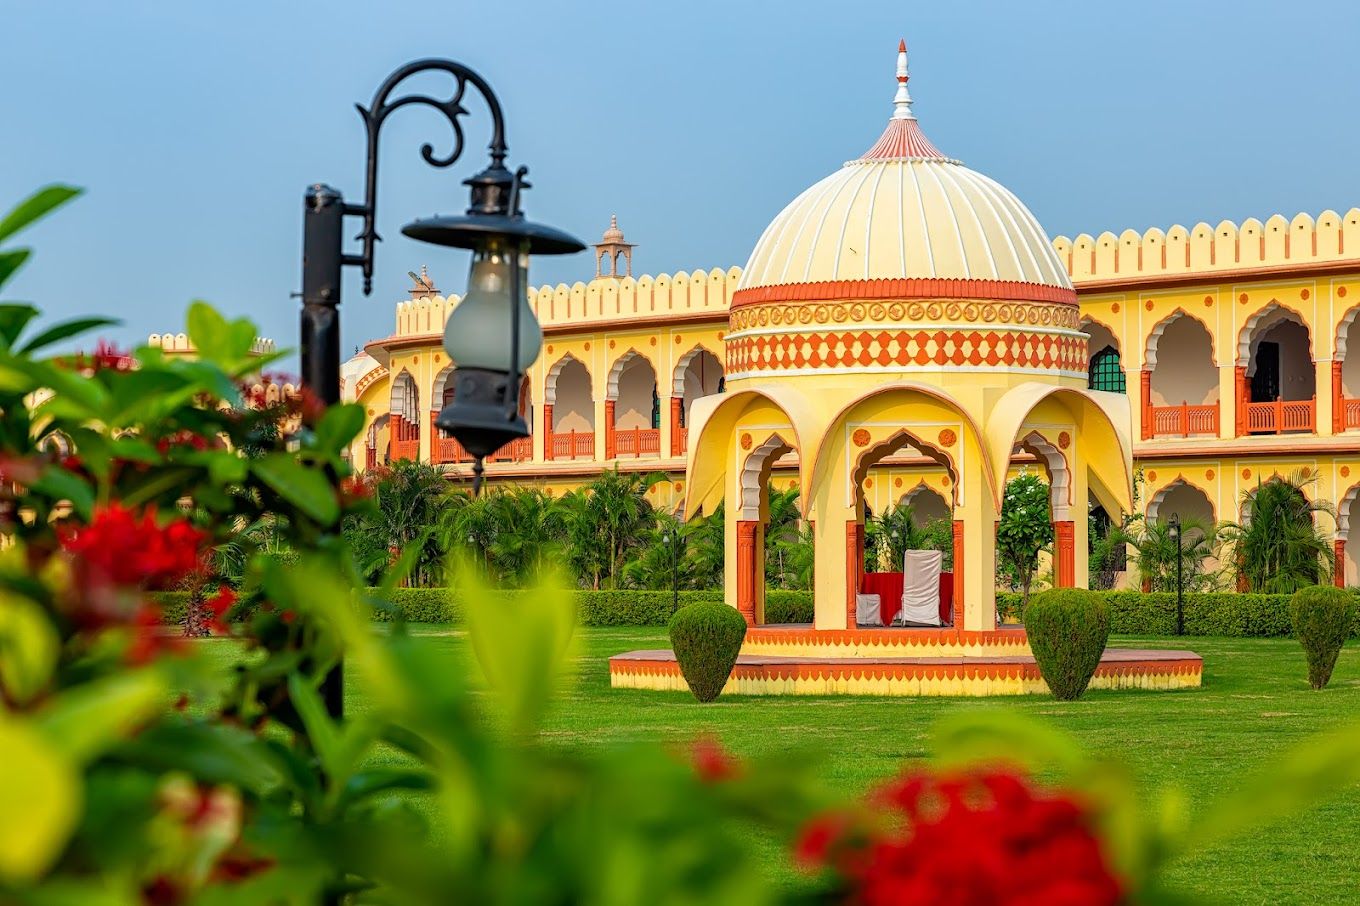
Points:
(1067, 630)
(706, 638)
(1322, 617)
(249, 791)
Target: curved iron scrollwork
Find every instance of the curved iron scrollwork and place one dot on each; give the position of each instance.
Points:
(452, 107)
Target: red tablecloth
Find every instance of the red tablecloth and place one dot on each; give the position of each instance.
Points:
(888, 587)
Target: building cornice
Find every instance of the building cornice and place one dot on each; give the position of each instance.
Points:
(1209, 278)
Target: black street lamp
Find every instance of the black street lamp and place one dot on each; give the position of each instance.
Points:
(671, 539)
(1175, 527)
(492, 336)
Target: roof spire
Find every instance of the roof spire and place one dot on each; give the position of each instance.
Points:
(902, 102)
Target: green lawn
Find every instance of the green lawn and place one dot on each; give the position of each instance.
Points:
(1255, 702)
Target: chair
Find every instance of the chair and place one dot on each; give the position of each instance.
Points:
(921, 588)
(867, 610)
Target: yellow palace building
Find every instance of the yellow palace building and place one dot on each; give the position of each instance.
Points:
(1212, 357)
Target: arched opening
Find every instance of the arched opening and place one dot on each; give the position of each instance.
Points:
(1105, 370)
(1180, 397)
(377, 442)
(1346, 376)
(569, 411)
(903, 558)
(1276, 380)
(697, 374)
(632, 409)
(404, 424)
(1346, 566)
(1179, 503)
(443, 448)
(754, 515)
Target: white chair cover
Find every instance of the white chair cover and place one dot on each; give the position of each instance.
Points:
(921, 588)
(867, 610)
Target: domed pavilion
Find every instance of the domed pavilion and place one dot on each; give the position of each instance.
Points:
(903, 304)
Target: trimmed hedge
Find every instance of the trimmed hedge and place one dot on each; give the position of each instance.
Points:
(706, 638)
(1206, 613)
(1067, 629)
(1322, 616)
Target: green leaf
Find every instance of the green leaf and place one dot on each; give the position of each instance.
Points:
(40, 801)
(321, 730)
(64, 330)
(11, 261)
(339, 426)
(212, 753)
(60, 484)
(28, 648)
(88, 719)
(36, 206)
(385, 780)
(217, 340)
(13, 319)
(306, 488)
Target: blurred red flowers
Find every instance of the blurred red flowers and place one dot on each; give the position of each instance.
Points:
(712, 762)
(130, 550)
(983, 838)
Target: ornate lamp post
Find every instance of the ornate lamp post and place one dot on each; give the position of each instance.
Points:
(492, 335)
(671, 539)
(1175, 528)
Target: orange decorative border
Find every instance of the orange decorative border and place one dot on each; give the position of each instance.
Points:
(898, 311)
(863, 348)
(913, 288)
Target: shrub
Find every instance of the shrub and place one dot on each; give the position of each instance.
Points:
(788, 606)
(706, 638)
(1322, 617)
(1067, 630)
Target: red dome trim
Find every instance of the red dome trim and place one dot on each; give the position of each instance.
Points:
(915, 288)
(903, 139)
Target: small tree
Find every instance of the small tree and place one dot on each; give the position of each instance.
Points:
(1155, 554)
(1279, 549)
(781, 533)
(1026, 528)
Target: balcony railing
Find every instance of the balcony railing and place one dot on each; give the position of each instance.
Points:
(405, 439)
(448, 450)
(573, 445)
(1282, 417)
(681, 443)
(1350, 414)
(638, 442)
(1184, 420)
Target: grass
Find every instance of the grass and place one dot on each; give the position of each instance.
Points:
(1254, 704)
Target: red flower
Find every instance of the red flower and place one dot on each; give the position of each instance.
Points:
(122, 549)
(712, 762)
(988, 838)
(182, 438)
(815, 843)
(150, 638)
(217, 608)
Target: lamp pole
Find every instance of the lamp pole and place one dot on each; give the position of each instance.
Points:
(501, 335)
(672, 542)
(1175, 523)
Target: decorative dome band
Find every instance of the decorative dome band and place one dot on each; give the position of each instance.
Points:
(905, 288)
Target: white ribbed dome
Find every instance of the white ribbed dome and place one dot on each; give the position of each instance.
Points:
(904, 211)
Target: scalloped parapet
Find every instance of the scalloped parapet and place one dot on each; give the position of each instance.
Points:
(605, 299)
(1207, 249)
(180, 342)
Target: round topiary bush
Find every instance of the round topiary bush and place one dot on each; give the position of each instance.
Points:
(1067, 630)
(706, 638)
(1322, 618)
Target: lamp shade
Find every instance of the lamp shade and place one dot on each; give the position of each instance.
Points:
(478, 333)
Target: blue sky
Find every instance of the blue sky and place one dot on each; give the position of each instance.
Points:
(195, 127)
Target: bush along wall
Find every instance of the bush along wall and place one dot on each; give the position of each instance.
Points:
(1206, 613)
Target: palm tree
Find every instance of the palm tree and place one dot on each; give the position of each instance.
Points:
(781, 531)
(1154, 553)
(406, 502)
(796, 557)
(604, 521)
(1279, 548)
(889, 535)
(706, 547)
(662, 558)
(527, 534)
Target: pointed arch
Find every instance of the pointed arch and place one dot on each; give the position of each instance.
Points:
(1256, 326)
(442, 389)
(622, 364)
(1059, 472)
(1155, 335)
(683, 363)
(1178, 486)
(554, 372)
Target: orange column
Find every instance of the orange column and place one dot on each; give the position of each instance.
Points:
(746, 569)
(1338, 400)
(1065, 554)
(854, 567)
(610, 440)
(1339, 564)
(1243, 396)
(1145, 392)
(958, 575)
(547, 432)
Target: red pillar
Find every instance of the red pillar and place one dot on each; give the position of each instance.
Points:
(677, 448)
(1338, 401)
(547, 432)
(1145, 392)
(746, 569)
(854, 567)
(958, 575)
(1243, 397)
(1339, 564)
(1065, 554)
(610, 441)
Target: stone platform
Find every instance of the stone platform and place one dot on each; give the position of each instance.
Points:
(798, 660)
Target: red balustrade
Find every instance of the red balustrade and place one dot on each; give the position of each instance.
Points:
(681, 443)
(1350, 414)
(638, 442)
(405, 439)
(573, 445)
(1184, 420)
(1282, 416)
